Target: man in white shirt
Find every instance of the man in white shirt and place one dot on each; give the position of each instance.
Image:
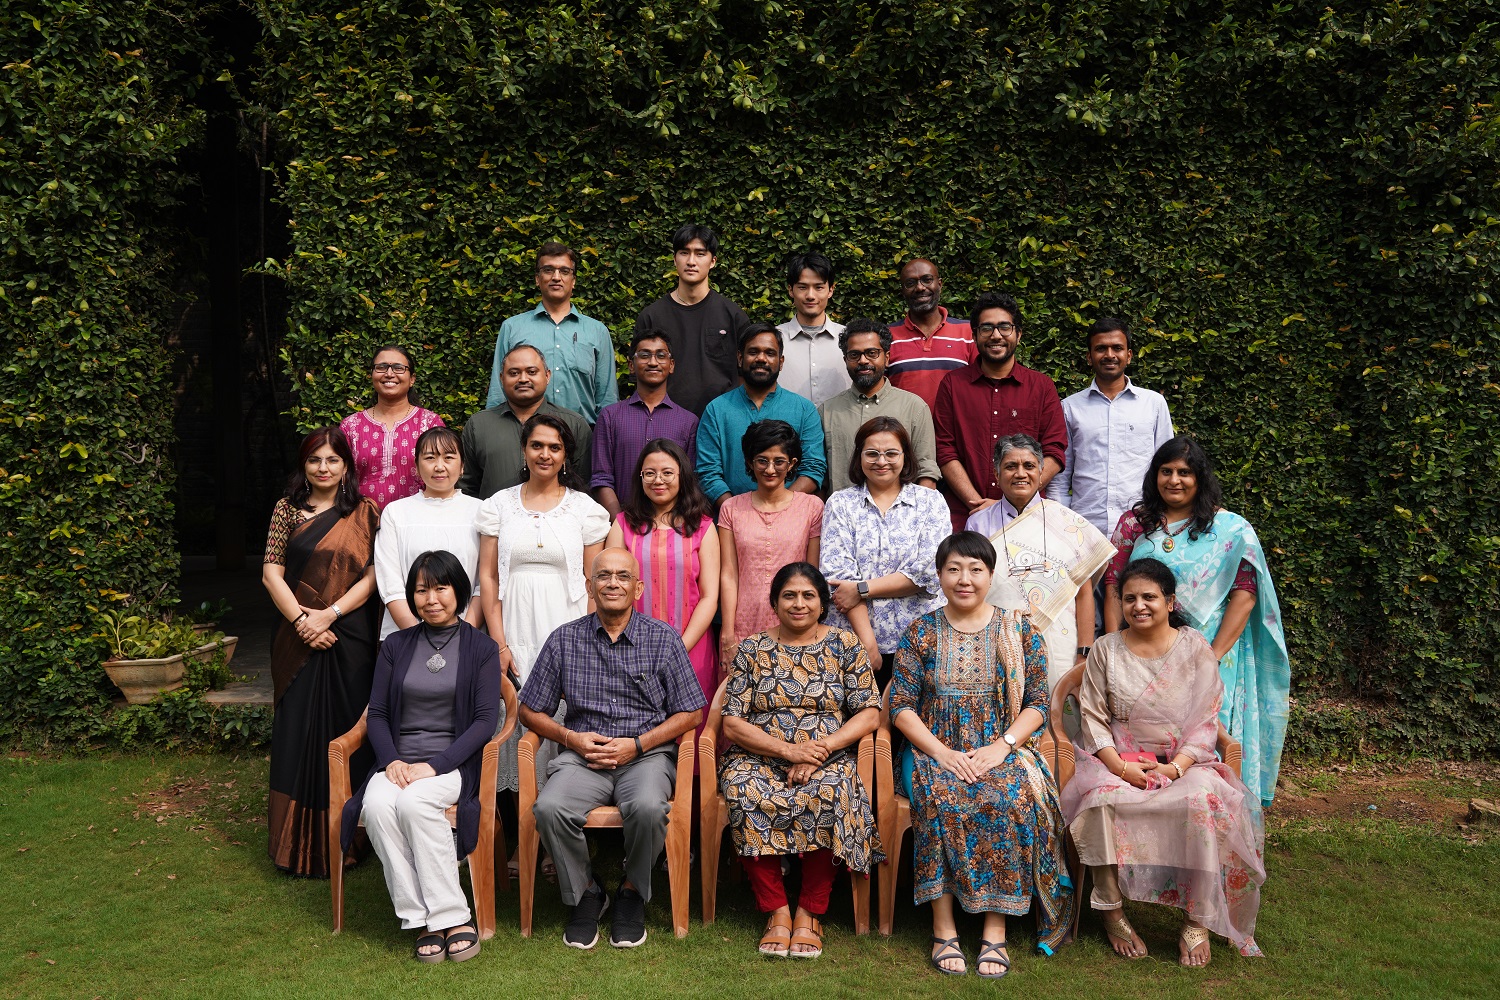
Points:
(1114, 427)
(814, 365)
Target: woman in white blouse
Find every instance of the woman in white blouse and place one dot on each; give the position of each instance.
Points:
(536, 541)
(439, 518)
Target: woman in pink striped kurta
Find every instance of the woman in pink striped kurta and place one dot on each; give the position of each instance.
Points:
(667, 526)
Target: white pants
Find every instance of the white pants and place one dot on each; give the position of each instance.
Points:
(410, 832)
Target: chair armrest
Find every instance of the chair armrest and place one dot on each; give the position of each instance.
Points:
(884, 768)
(1230, 751)
(340, 788)
(687, 752)
(865, 764)
(526, 764)
(512, 709)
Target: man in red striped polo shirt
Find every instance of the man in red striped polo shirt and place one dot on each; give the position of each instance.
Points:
(927, 344)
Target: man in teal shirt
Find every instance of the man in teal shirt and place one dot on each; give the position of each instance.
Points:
(721, 459)
(576, 347)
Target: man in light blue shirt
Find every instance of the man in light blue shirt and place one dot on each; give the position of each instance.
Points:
(721, 460)
(1114, 427)
(576, 347)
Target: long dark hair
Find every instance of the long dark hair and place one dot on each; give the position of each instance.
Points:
(569, 475)
(299, 490)
(411, 393)
(691, 507)
(1160, 574)
(1151, 510)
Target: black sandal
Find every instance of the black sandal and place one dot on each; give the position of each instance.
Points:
(948, 948)
(428, 939)
(989, 951)
(471, 938)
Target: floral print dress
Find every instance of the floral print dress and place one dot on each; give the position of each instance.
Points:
(799, 694)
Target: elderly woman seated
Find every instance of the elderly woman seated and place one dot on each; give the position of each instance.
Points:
(800, 697)
(433, 706)
(1155, 816)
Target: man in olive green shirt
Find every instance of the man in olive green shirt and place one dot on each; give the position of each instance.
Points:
(492, 437)
(866, 346)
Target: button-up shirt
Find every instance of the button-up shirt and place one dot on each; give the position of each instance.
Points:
(621, 435)
(492, 448)
(578, 350)
(721, 458)
(619, 689)
(918, 364)
(1110, 445)
(846, 413)
(860, 543)
(814, 364)
(973, 411)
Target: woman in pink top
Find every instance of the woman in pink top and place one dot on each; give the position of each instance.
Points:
(384, 437)
(668, 527)
(762, 531)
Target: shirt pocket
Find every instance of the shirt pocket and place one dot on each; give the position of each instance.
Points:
(580, 357)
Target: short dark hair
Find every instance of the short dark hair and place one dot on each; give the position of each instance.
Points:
(812, 575)
(552, 248)
(1010, 442)
(994, 300)
(810, 261)
(692, 231)
(967, 544)
(754, 330)
(864, 324)
(441, 568)
(439, 437)
(1108, 324)
(642, 335)
(765, 434)
(526, 347)
(569, 476)
(1160, 574)
(882, 425)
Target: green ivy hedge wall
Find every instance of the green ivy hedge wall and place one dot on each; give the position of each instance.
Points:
(94, 122)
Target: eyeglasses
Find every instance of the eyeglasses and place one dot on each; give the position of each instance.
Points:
(894, 455)
(652, 476)
(868, 354)
(763, 463)
(623, 576)
(548, 270)
(394, 368)
(925, 280)
(662, 355)
(985, 329)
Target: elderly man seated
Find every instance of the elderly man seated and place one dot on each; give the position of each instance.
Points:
(630, 693)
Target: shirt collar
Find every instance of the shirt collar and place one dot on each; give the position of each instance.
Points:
(635, 397)
(541, 310)
(801, 331)
(746, 396)
(873, 397)
(906, 322)
(976, 373)
(630, 632)
(904, 497)
(1009, 509)
(1129, 387)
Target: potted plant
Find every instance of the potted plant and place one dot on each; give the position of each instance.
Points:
(206, 616)
(150, 656)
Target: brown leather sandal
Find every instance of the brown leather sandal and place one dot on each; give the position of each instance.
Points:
(777, 940)
(807, 931)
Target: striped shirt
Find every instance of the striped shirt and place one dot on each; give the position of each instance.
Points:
(919, 363)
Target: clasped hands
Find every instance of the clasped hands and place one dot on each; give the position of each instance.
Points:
(316, 628)
(806, 758)
(973, 764)
(600, 752)
(401, 774)
(1147, 775)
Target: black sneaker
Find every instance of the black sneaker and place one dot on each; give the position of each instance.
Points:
(628, 928)
(583, 923)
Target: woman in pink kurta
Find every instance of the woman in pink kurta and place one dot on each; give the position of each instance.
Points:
(384, 437)
(762, 531)
(667, 526)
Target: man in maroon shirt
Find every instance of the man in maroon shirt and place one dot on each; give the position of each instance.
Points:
(926, 344)
(982, 402)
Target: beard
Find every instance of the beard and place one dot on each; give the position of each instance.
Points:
(864, 381)
(758, 377)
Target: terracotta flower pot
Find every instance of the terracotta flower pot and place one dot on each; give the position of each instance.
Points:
(143, 680)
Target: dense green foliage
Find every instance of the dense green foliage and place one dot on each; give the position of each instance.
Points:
(1295, 206)
(94, 121)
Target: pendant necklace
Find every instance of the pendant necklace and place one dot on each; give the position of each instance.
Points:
(1010, 566)
(1167, 545)
(435, 662)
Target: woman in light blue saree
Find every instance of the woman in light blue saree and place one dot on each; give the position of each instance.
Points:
(1224, 589)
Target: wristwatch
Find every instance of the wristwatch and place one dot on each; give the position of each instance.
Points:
(337, 614)
(863, 587)
(1010, 740)
(1084, 650)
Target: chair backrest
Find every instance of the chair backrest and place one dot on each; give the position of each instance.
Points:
(885, 706)
(713, 722)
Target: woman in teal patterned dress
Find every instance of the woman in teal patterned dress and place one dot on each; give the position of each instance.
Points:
(969, 690)
(799, 699)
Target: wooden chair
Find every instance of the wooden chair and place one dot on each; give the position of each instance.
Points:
(895, 809)
(489, 853)
(679, 831)
(713, 813)
(1061, 760)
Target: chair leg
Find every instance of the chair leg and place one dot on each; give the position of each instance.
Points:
(889, 870)
(482, 881)
(710, 836)
(502, 858)
(336, 872)
(861, 887)
(1080, 885)
(679, 846)
(526, 837)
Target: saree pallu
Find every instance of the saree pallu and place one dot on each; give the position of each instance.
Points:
(1256, 671)
(1196, 843)
(319, 694)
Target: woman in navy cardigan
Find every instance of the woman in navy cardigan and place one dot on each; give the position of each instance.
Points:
(434, 704)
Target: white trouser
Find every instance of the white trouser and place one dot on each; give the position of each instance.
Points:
(411, 834)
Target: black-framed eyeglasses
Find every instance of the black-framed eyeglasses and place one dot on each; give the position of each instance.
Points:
(868, 354)
(548, 270)
(985, 329)
(394, 367)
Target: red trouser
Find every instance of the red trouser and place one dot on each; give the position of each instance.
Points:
(764, 873)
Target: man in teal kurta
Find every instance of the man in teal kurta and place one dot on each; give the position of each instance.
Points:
(576, 347)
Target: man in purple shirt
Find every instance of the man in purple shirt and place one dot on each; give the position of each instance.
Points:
(630, 692)
(981, 403)
(649, 413)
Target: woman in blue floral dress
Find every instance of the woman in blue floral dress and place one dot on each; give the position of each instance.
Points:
(969, 691)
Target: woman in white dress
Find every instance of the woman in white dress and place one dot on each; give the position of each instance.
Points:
(440, 518)
(535, 542)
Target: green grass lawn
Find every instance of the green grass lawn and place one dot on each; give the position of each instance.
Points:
(134, 875)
